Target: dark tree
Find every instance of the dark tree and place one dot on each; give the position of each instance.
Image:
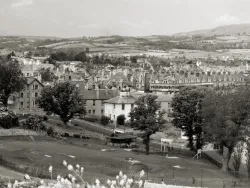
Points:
(63, 99)
(147, 117)
(226, 120)
(121, 119)
(105, 120)
(47, 75)
(11, 80)
(187, 114)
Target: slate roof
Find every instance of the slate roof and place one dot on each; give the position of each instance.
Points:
(122, 100)
(101, 94)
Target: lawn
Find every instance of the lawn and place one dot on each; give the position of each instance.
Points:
(101, 164)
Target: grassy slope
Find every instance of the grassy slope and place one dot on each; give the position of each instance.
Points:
(106, 164)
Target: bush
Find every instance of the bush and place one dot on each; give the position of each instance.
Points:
(105, 120)
(32, 122)
(50, 131)
(121, 119)
(76, 136)
(66, 135)
(90, 119)
(45, 118)
(5, 122)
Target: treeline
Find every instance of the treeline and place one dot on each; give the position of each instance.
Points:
(218, 116)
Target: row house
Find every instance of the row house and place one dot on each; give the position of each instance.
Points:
(94, 100)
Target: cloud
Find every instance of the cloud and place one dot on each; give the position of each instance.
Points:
(21, 3)
(131, 24)
(226, 19)
(90, 26)
(146, 22)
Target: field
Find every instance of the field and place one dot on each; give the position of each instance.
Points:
(103, 161)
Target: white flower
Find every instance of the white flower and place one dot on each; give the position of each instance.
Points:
(73, 179)
(58, 177)
(112, 186)
(70, 167)
(64, 163)
(103, 186)
(108, 182)
(82, 169)
(120, 174)
(97, 182)
(125, 177)
(130, 181)
(9, 185)
(77, 186)
(117, 177)
(140, 183)
(113, 182)
(142, 173)
(122, 182)
(50, 168)
(77, 166)
(42, 182)
(62, 180)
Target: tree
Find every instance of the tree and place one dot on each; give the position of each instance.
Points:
(63, 99)
(226, 119)
(187, 114)
(121, 119)
(147, 117)
(248, 157)
(237, 156)
(11, 79)
(47, 75)
(81, 57)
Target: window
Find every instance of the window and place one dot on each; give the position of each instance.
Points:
(69, 77)
(28, 104)
(21, 95)
(21, 104)
(123, 106)
(28, 74)
(35, 86)
(89, 111)
(28, 95)
(93, 102)
(93, 112)
(102, 102)
(114, 106)
(102, 111)
(34, 104)
(36, 94)
(132, 106)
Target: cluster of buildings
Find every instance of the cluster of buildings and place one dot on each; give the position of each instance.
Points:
(105, 88)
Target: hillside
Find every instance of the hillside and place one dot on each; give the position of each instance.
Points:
(236, 29)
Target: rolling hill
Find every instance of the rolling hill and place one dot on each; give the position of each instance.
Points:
(243, 29)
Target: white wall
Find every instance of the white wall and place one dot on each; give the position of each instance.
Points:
(112, 112)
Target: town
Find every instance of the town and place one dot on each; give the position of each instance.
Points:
(118, 95)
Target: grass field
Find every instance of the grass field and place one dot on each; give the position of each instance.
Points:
(106, 164)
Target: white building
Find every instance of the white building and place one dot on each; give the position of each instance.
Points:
(119, 105)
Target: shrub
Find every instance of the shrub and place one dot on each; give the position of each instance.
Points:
(76, 136)
(45, 118)
(90, 119)
(5, 122)
(66, 135)
(105, 120)
(50, 131)
(121, 119)
(32, 122)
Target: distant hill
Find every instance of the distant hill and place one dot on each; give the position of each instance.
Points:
(235, 29)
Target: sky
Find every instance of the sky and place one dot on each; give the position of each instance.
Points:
(77, 18)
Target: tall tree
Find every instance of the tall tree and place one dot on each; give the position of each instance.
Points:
(226, 120)
(11, 79)
(147, 117)
(187, 114)
(47, 75)
(63, 99)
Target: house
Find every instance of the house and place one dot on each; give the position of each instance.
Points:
(95, 99)
(119, 105)
(25, 100)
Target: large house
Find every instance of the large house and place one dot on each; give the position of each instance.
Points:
(25, 100)
(95, 100)
(119, 105)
